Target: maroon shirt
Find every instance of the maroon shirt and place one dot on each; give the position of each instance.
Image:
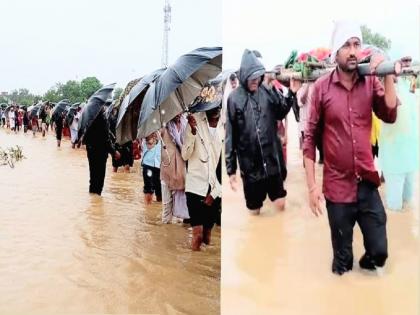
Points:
(343, 120)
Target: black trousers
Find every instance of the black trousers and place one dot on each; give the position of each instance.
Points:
(200, 213)
(370, 214)
(151, 179)
(97, 167)
(256, 192)
(58, 131)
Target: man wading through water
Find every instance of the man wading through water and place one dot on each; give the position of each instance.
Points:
(201, 150)
(341, 113)
(251, 135)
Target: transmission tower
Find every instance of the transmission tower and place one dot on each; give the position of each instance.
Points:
(166, 29)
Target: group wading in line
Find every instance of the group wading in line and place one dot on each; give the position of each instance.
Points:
(334, 115)
(177, 137)
(177, 129)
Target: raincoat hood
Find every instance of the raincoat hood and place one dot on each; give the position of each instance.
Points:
(251, 68)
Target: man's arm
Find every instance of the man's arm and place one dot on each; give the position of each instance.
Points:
(311, 133)
(385, 99)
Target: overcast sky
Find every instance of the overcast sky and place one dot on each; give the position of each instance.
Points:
(275, 28)
(47, 41)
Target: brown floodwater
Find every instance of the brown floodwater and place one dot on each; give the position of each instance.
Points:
(280, 263)
(65, 251)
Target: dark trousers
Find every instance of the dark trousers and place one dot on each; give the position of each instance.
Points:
(58, 132)
(97, 167)
(370, 214)
(151, 179)
(200, 213)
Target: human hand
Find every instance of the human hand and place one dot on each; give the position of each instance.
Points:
(193, 123)
(315, 198)
(233, 182)
(208, 201)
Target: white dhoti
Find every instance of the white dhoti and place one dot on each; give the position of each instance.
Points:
(73, 134)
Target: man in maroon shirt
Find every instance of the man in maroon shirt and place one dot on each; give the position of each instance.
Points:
(341, 115)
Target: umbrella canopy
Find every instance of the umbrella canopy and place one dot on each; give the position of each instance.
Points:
(71, 113)
(129, 111)
(177, 87)
(94, 107)
(33, 112)
(59, 109)
(210, 97)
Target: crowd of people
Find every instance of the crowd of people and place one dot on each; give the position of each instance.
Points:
(189, 195)
(336, 114)
(351, 120)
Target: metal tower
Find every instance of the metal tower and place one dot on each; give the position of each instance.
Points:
(166, 29)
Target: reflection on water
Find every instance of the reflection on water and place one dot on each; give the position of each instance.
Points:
(280, 263)
(65, 251)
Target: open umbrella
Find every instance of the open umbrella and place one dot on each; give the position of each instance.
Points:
(129, 111)
(210, 97)
(93, 108)
(34, 111)
(71, 113)
(177, 87)
(59, 109)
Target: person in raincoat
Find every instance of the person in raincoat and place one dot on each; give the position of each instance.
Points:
(151, 151)
(251, 135)
(399, 148)
(172, 170)
(202, 149)
(59, 124)
(98, 146)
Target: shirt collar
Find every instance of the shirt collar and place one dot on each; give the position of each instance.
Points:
(335, 78)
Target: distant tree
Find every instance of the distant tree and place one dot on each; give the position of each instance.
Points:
(23, 97)
(88, 86)
(117, 92)
(71, 90)
(375, 39)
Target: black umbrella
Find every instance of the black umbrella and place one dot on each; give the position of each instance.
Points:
(129, 111)
(60, 109)
(94, 107)
(34, 111)
(71, 113)
(177, 88)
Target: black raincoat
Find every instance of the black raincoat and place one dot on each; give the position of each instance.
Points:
(251, 125)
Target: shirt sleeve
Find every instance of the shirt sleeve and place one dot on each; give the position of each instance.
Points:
(313, 124)
(188, 146)
(383, 112)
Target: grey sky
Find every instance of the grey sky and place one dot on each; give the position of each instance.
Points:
(276, 27)
(47, 41)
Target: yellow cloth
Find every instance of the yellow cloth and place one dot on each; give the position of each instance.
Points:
(376, 129)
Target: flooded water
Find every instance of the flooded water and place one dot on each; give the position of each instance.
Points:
(280, 263)
(65, 251)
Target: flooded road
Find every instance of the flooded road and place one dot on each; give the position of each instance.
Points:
(65, 251)
(280, 263)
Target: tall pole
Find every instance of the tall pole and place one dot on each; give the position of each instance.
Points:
(166, 29)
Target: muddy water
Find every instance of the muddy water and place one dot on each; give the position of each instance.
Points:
(65, 251)
(279, 263)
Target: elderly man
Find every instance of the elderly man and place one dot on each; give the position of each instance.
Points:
(253, 110)
(202, 149)
(341, 114)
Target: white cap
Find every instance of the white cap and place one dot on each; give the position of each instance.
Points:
(343, 31)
